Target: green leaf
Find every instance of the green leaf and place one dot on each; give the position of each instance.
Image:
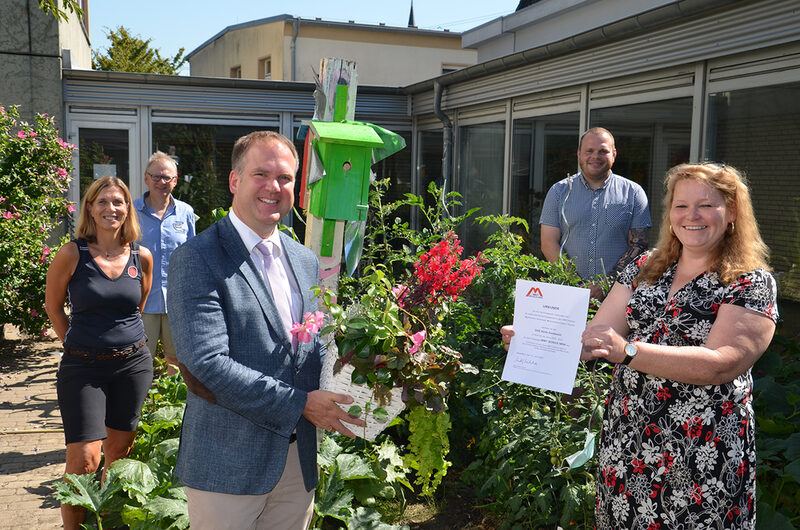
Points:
(793, 470)
(768, 518)
(328, 451)
(354, 467)
(358, 323)
(163, 508)
(793, 447)
(135, 477)
(85, 491)
(380, 414)
(354, 410)
(369, 519)
(333, 501)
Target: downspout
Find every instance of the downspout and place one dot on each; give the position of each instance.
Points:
(296, 25)
(447, 138)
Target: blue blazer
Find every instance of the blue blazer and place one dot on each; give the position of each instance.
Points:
(228, 333)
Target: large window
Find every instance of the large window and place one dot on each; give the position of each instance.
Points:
(480, 176)
(542, 153)
(103, 152)
(397, 168)
(650, 138)
(203, 153)
(753, 130)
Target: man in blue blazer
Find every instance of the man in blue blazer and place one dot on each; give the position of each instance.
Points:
(248, 446)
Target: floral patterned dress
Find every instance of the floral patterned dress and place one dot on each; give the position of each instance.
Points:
(674, 455)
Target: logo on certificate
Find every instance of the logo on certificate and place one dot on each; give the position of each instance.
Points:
(535, 292)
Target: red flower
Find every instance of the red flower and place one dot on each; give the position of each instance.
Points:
(663, 393)
(654, 493)
(440, 274)
(693, 427)
(651, 429)
(696, 494)
(638, 466)
(610, 476)
(666, 461)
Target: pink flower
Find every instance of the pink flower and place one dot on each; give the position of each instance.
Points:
(62, 172)
(71, 208)
(45, 253)
(312, 322)
(417, 338)
(21, 134)
(300, 330)
(34, 313)
(2, 199)
(400, 292)
(8, 215)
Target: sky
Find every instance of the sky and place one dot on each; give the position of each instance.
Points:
(175, 24)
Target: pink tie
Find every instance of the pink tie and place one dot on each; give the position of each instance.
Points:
(278, 281)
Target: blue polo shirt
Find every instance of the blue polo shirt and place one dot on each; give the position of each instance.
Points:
(161, 237)
(599, 220)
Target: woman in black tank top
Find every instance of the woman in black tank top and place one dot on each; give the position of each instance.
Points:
(106, 369)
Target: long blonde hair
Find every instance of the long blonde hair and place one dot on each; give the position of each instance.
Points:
(88, 230)
(741, 249)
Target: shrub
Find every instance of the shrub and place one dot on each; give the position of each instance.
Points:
(35, 167)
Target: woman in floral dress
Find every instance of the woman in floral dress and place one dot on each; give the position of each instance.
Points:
(685, 322)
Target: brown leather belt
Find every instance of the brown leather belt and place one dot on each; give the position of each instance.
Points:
(104, 354)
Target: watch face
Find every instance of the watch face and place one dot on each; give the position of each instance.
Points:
(630, 350)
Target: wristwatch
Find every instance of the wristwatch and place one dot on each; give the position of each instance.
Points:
(630, 352)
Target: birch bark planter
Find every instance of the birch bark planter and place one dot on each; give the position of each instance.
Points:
(362, 396)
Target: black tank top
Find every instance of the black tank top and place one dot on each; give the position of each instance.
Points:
(105, 311)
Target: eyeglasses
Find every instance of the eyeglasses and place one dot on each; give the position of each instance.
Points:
(162, 178)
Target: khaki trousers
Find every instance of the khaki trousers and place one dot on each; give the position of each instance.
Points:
(156, 326)
(287, 507)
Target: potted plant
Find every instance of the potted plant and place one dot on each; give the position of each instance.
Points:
(388, 348)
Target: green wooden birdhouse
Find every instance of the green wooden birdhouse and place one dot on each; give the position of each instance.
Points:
(345, 150)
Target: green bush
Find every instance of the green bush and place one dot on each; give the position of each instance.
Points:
(35, 167)
(777, 408)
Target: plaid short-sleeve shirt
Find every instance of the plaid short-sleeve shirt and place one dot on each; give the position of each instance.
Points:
(598, 221)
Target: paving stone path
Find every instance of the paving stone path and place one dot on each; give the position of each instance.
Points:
(31, 439)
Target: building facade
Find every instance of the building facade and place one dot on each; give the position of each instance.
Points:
(682, 81)
(287, 48)
(118, 119)
(34, 47)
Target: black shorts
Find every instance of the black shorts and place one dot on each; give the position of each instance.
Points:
(95, 394)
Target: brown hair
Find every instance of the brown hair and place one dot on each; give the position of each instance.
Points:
(245, 142)
(596, 131)
(741, 249)
(130, 227)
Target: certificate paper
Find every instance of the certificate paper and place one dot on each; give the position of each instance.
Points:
(546, 347)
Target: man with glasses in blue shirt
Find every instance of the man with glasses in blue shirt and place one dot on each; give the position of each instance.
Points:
(166, 223)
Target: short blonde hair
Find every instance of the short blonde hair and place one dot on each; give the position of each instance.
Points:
(86, 227)
(741, 249)
(160, 156)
